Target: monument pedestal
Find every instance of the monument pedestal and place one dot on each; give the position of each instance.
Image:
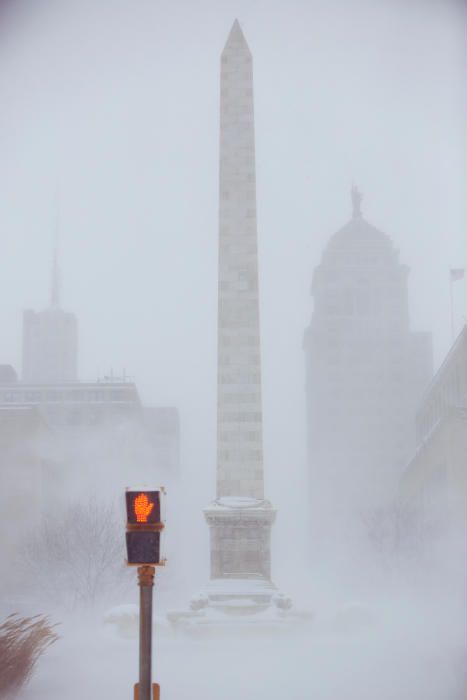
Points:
(240, 529)
(240, 594)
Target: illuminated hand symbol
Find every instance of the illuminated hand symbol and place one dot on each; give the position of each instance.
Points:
(143, 508)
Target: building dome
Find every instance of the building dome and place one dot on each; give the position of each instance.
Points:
(359, 242)
(357, 257)
(357, 235)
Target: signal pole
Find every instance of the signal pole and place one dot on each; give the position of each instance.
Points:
(145, 523)
(146, 582)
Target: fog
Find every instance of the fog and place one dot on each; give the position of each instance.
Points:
(109, 135)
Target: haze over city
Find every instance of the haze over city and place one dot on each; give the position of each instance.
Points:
(110, 141)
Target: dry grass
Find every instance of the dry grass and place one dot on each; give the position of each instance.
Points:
(22, 641)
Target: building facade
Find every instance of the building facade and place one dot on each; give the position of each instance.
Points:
(50, 347)
(21, 470)
(366, 372)
(87, 436)
(434, 485)
(78, 404)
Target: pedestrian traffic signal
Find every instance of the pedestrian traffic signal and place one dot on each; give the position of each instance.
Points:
(143, 507)
(144, 526)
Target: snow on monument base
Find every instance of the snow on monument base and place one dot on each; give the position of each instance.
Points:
(237, 605)
(241, 606)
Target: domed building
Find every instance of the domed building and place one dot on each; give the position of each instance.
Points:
(366, 372)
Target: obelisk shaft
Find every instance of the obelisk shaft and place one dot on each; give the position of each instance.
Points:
(239, 415)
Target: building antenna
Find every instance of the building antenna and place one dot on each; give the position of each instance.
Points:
(55, 285)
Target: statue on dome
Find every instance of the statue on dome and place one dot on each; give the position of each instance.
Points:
(356, 202)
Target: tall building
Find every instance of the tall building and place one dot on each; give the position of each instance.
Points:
(366, 372)
(239, 518)
(50, 341)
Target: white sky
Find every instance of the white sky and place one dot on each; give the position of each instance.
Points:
(115, 104)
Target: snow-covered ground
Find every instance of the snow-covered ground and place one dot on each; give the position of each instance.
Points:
(403, 649)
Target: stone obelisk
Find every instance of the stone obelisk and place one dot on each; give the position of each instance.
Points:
(239, 519)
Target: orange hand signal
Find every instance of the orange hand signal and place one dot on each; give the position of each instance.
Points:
(143, 508)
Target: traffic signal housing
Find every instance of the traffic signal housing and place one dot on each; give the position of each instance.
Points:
(145, 522)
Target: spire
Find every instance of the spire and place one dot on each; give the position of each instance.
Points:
(356, 202)
(236, 38)
(55, 284)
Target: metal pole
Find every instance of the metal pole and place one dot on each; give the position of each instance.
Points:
(145, 582)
